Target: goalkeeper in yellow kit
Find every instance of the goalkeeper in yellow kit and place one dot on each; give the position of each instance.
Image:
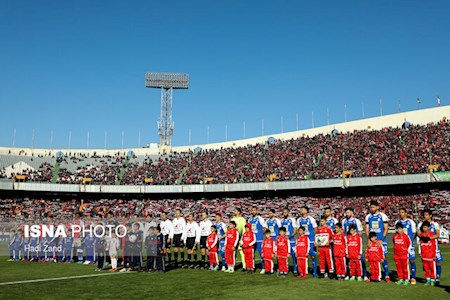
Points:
(240, 226)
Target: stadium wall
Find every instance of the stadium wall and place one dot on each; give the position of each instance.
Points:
(221, 188)
(423, 116)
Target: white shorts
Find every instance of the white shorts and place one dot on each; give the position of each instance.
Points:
(112, 253)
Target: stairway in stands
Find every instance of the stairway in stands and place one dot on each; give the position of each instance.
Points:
(55, 172)
(179, 180)
(316, 164)
(122, 170)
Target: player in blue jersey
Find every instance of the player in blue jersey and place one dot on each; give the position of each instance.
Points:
(330, 220)
(221, 229)
(258, 226)
(34, 249)
(310, 230)
(67, 246)
(351, 220)
(15, 243)
(409, 227)
(19, 244)
(434, 228)
(273, 224)
(51, 247)
(26, 249)
(43, 247)
(88, 243)
(59, 251)
(291, 230)
(377, 222)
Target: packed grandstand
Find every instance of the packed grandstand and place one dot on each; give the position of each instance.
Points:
(389, 151)
(26, 209)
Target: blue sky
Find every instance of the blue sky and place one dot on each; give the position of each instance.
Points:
(79, 66)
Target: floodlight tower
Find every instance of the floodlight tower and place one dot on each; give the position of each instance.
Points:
(167, 82)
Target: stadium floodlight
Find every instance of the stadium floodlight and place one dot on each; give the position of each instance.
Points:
(167, 82)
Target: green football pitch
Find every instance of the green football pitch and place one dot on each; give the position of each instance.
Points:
(58, 280)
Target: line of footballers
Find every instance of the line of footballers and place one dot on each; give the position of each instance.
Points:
(338, 245)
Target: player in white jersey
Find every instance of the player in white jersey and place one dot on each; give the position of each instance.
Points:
(436, 229)
(113, 247)
(179, 225)
(409, 227)
(149, 223)
(191, 238)
(137, 220)
(167, 232)
(205, 231)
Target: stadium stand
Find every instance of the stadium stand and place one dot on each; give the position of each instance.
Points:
(389, 151)
(61, 209)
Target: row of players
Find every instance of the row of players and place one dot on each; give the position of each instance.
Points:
(183, 235)
(334, 248)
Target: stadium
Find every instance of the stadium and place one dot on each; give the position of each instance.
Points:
(55, 184)
(357, 208)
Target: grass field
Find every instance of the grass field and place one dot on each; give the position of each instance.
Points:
(198, 284)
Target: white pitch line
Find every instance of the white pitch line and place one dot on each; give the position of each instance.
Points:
(59, 278)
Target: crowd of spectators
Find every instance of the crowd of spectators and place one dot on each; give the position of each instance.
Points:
(59, 209)
(43, 174)
(287, 160)
(103, 170)
(165, 170)
(390, 151)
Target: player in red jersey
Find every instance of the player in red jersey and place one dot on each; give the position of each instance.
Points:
(211, 243)
(323, 240)
(339, 249)
(248, 246)
(283, 252)
(231, 242)
(302, 251)
(354, 253)
(402, 244)
(375, 256)
(428, 251)
(268, 249)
